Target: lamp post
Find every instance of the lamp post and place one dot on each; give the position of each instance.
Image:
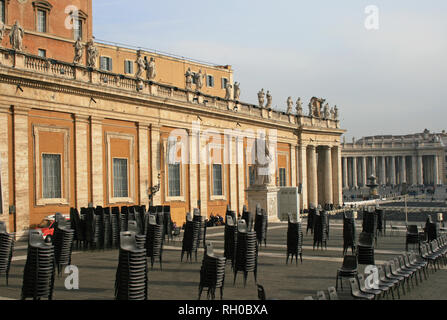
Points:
(153, 190)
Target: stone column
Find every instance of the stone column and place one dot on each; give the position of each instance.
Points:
(354, 173)
(337, 196)
(231, 145)
(203, 182)
(293, 165)
(143, 149)
(364, 172)
(393, 170)
(82, 158)
(312, 177)
(403, 170)
(97, 161)
(373, 166)
(155, 161)
(21, 168)
(420, 172)
(240, 172)
(193, 162)
(4, 166)
(302, 177)
(345, 173)
(327, 175)
(383, 170)
(414, 178)
(436, 169)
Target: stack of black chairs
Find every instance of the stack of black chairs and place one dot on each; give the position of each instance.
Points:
(212, 273)
(38, 276)
(63, 243)
(230, 238)
(248, 218)
(190, 237)
(131, 276)
(78, 225)
(88, 216)
(6, 250)
(349, 235)
(140, 238)
(261, 225)
(370, 223)
(98, 233)
(232, 214)
(246, 256)
(124, 218)
(197, 217)
(167, 223)
(321, 229)
(412, 236)
(381, 221)
(154, 240)
(108, 239)
(294, 239)
(365, 248)
(311, 219)
(115, 226)
(432, 230)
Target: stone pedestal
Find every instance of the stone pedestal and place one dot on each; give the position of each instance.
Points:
(267, 198)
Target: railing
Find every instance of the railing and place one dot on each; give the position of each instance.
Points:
(98, 77)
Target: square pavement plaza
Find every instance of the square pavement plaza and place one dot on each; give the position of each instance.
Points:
(179, 280)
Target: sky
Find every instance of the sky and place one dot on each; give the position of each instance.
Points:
(390, 80)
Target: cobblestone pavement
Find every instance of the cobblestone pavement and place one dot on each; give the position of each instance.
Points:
(179, 280)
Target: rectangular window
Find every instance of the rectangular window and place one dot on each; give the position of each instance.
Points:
(51, 176)
(217, 180)
(120, 178)
(282, 177)
(2, 11)
(78, 29)
(41, 21)
(224, 83)
(128, 67)
(106, 63)
(210, 81)
(42, 53)
(174, 180)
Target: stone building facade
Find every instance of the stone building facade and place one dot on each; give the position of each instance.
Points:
(73, 135)
(415, 159)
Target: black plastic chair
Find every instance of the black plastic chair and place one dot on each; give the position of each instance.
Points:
(7, 241)
(333, 295)
(356, 293)
(212, 273)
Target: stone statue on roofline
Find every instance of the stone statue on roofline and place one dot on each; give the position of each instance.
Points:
(261, 97)
(228, 91)
(151, 73)
(326, 113)
(269, 100)
(199, 80)
(336, 115)
(299, 107)
(92, 54)
(16, 36)
(189, 79)
(141, 66)
(289, 105)
(79, 51)
(237, 91)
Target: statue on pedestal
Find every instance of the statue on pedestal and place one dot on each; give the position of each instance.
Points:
(299, 107)
(326, 113)
(189, 79)
(141, 66)
(79, 51)
(269, 100)
(199, 80)
(2, 31)
(263, 160)
(16, 36)
(228, 93)
(92, 54)
(150, 68)
(289, 105)
(261, 96)
(237, 91)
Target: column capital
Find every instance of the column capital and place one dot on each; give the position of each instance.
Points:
(81, 118)
(96, 120)
(21, 110)
(155, 127)
(143, 125)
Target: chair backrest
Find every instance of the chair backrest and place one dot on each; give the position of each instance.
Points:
(361, 280)
(332, 293)
(413, 229)
(242, 226)
(350, 262)
(366, 239)
(354, 285)
(128, 241)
